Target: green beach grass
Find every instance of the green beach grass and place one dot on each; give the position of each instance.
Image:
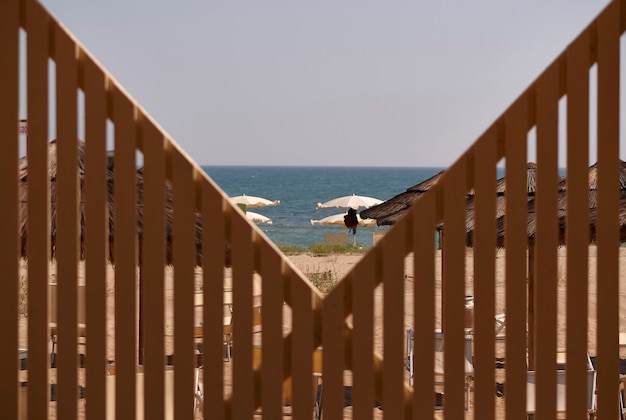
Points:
(324, 249)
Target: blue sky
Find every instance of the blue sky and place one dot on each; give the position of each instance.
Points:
(368, 83)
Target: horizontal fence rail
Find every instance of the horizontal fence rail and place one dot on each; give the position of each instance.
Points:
(133, 287)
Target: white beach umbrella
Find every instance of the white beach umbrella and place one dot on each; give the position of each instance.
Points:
(252, 202)
(350, 201)
(258, 218)
(337, 219)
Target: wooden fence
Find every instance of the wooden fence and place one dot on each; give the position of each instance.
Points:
(145, 243)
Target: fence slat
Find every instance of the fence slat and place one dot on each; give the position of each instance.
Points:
(393, 322)
(125, 250)
(214, 222)
(515, 221)
(9, 82)
(96, 236)
(546, 239)
(607, 212)
(67, 205)
(243, 264)
(577, 236)
(423, 220)
(363, 337)
(333, 328)
(484, 244)
(153, 248)
(184, 257)
(272, 322)
(302, 351)
(453, 285)
(38, 241)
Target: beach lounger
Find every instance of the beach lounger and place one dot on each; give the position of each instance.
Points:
(23, 387)
(228, 322)
(501, 327)
(439, 364)
(622, 396)
(53, 315)
(228, 334)
(561, 387)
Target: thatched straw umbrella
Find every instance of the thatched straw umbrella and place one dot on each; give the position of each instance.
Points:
(52, 168)
(562, 208)
(593, 176)
(562, 216)
(390, 211)
(169, 220)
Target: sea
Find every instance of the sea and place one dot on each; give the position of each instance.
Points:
(300, 188)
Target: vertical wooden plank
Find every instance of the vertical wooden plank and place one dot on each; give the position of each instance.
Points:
(363, 337)
(125, 254)
(333, 327)
(577, 232)
(38, 240)
(68, 220)
(607, 212)
(242, 261)
(485, 151)
(546, 239)
(9, 242)
(423, 219)
(515, 120)
(153, 264)
(393, 252)
(453, 284)
(302, 349)
(272, 333)
(96, 236)
(184, 256)
(214, 224)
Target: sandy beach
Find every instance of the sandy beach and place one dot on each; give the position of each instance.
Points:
(338, 265)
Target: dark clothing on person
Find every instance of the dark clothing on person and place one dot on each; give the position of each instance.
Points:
(350, 220)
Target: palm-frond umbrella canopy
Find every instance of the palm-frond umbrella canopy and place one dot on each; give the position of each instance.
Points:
(531, 180)
(593, 177)
(52, 167)
(561, 208)
(593, 199)
(562, 215)
(393, 209)
(390, 211)
(110, 202)
(531, 187)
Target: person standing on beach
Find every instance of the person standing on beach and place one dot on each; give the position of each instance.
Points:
(351, 221)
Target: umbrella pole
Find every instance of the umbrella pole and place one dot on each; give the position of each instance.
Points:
(531, 306)
(443, 284)
(141, 332)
